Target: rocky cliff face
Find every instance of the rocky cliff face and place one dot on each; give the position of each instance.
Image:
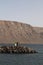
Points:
(11, 31)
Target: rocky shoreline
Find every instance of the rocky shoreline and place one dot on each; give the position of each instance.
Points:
(17, 50)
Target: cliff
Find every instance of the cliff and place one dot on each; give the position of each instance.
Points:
(11, 31)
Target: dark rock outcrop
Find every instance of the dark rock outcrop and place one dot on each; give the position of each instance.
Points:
(17, 50)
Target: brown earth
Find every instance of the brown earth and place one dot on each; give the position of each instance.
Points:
(11, 31)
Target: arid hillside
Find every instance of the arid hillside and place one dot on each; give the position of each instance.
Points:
(11, 31)
(38, 29)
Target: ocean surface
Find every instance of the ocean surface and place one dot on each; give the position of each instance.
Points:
(24, 59)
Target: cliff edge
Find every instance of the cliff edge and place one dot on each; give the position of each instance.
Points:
(11, 31)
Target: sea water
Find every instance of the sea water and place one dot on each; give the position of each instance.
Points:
(24, 59)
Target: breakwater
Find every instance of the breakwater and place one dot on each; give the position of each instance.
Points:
(17, 50)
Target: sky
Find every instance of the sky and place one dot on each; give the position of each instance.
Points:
(26, 11)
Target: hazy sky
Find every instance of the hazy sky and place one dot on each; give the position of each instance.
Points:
(27, 11)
